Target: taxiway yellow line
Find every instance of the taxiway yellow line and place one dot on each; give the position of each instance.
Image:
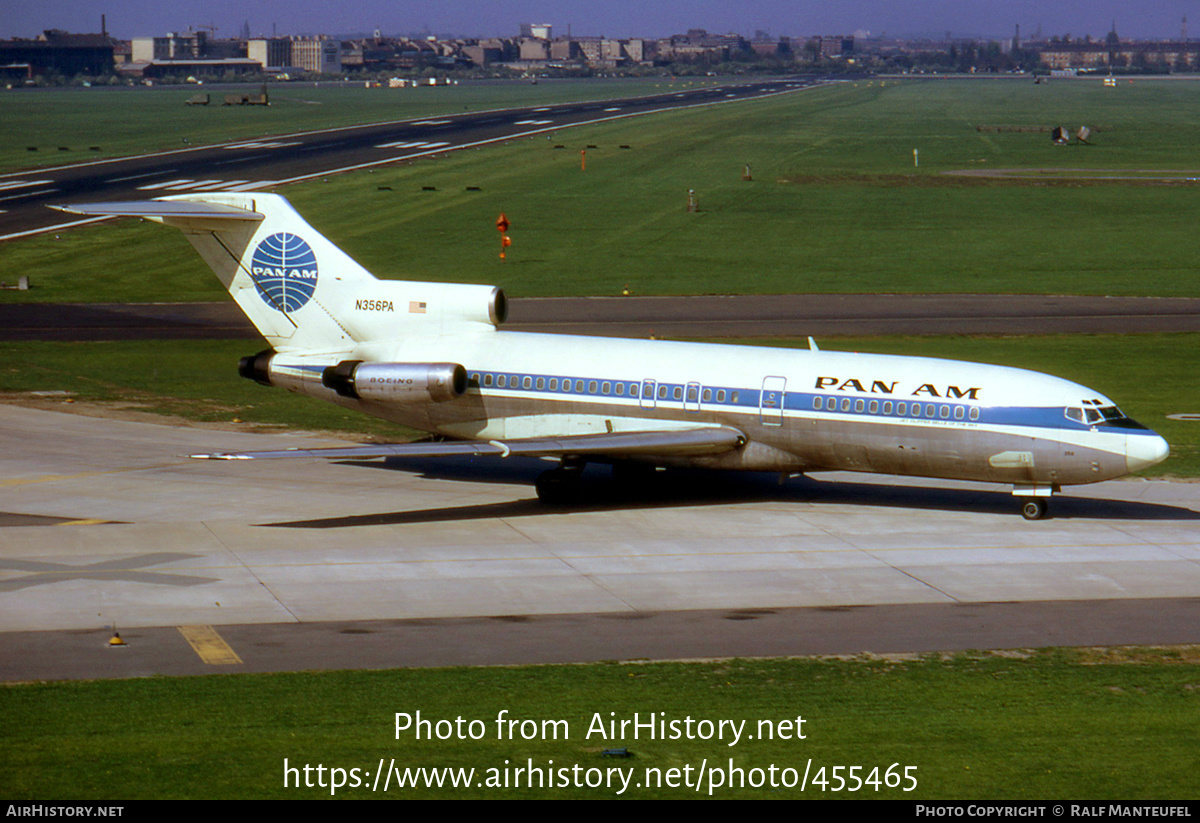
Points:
(54, 478)
(211, 647)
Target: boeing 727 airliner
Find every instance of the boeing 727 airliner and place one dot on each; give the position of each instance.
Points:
(432, 356)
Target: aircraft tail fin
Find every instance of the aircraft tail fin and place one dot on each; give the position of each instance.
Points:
(300, 290)
(265, 254)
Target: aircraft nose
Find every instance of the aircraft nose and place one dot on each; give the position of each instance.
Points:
(1143, 451)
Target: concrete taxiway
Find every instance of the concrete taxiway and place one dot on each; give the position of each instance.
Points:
(108, 523)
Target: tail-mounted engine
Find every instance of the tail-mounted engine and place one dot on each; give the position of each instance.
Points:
(396, 382)
(257, 367)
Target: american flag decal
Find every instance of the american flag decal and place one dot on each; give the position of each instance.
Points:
(416, 308)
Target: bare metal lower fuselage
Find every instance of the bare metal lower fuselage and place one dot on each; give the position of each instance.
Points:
(926, 439)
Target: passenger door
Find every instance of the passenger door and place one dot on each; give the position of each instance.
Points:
(770, 401)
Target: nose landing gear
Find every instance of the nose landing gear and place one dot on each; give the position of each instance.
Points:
(1035, 498)
(1034, 509)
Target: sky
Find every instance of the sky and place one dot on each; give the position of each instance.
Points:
(1145, 19)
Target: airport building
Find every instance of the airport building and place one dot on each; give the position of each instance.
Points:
(57, 52)
(321, 55)
(1169, 55)
(272, 53)
(174, 46)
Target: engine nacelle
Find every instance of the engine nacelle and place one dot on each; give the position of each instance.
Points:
(257, 367)
(396, 382)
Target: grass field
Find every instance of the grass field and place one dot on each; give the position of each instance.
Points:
(1051, 725)
(835, 204)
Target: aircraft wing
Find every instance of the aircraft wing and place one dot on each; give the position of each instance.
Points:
(668, 443)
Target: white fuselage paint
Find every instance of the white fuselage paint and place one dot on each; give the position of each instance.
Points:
(801, 410)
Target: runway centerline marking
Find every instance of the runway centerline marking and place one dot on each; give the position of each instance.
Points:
(210, 646)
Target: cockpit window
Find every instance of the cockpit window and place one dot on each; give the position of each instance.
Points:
(1095, 416)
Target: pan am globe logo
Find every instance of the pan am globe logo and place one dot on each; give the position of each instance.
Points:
(284, 269)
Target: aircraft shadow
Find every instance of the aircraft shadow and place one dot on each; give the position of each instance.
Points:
(681, 488)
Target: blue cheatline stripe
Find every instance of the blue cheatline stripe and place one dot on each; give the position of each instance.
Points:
(736, 398)
(749, 399)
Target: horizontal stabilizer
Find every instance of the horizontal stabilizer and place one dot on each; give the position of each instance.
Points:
(181, 213)
(671, 443)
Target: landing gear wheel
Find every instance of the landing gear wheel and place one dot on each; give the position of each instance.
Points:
(631, 475)
(558, 486)
(1033, 509)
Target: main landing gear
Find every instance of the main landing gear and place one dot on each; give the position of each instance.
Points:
(560, 486)
(564, 485)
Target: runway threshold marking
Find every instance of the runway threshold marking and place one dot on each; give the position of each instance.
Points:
(211, 647)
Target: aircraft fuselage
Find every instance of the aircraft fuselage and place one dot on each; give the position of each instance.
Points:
(801, 410)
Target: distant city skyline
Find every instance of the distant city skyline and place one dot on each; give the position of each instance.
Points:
(1149, 19)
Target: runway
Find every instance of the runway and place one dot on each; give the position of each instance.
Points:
(311, 565)
(256, 165)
